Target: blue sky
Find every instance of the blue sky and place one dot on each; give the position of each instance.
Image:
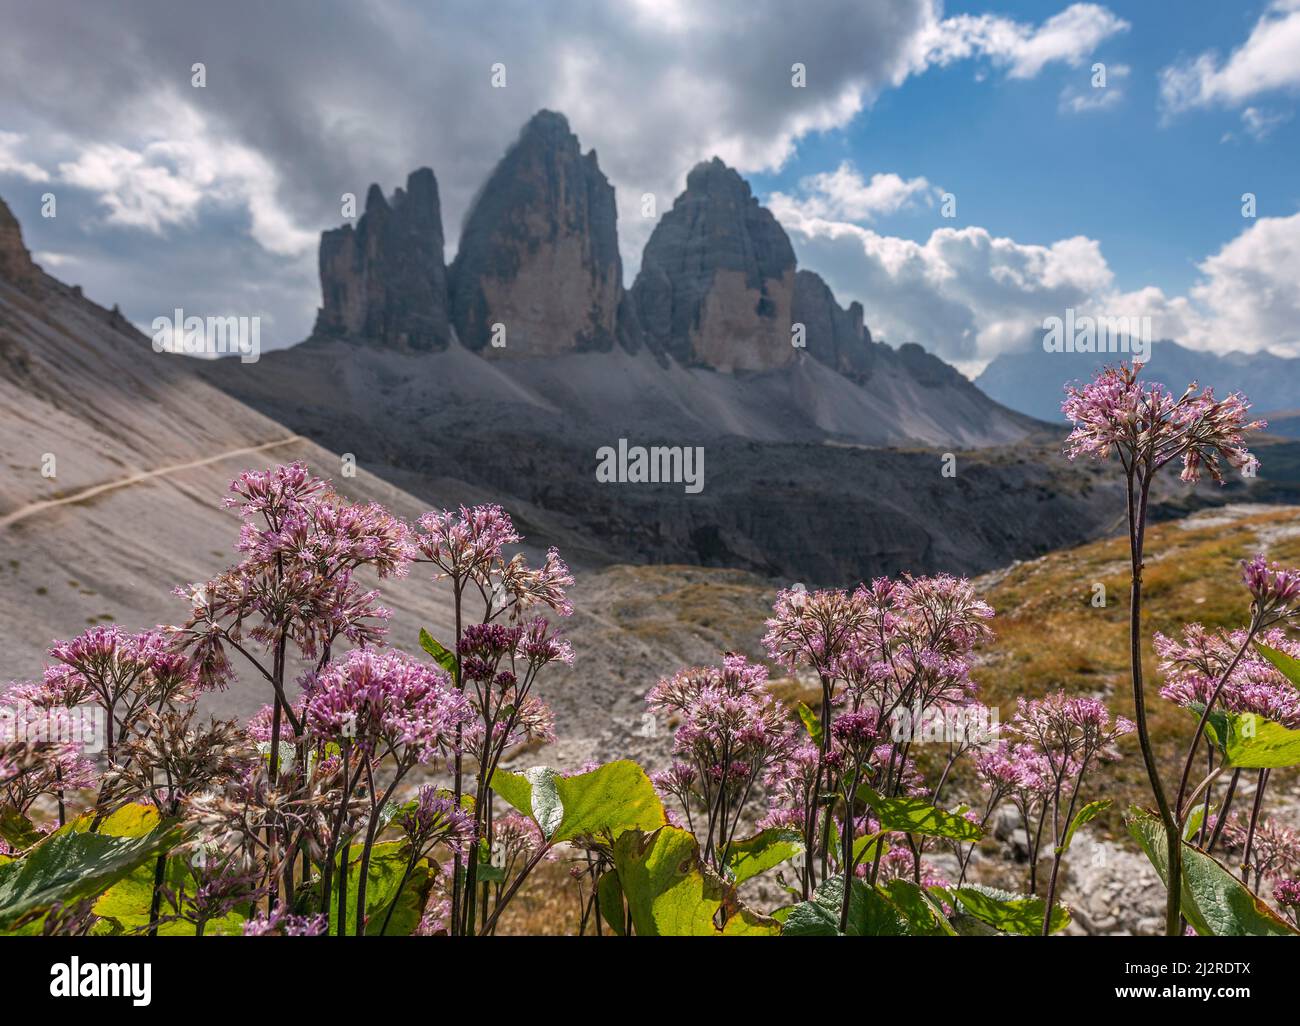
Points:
(1159, 193)
(1122, 201)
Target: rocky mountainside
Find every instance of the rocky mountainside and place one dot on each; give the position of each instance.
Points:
(386, 280)
(822, 449)
(1031, 381)
(16, 265)
(539, 251)
(537, 273)
(716, 287)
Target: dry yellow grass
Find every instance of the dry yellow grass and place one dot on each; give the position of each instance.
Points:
(1050, 635)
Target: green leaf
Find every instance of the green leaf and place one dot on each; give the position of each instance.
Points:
(133, 820)
(811, 722)
(1247, 741)
(1081, 818)
(671, 894)
(441, 655)
(754, 855)
(610, 799)
(129, 901)
(1253, 742)
(811, 919)
(866, 846)
(1287, 665)
(1009, 913)
(1194, 821)
(609, 895)
(388, 862)
(16, 829)
(486, 871)
(515, 789)
(1214, 901)
(917, 816)
(872, 913)
(70, 866)
(924, 917)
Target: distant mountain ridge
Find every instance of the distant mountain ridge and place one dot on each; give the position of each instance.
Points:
(537, 274)
(1032, 382)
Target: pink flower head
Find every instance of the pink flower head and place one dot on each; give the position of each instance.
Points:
(1069, 732)
(1273, 588)
(462, 543)
(1194, 665)
(283, 923)
(386, 702)
(433, 816)
(1287, 893)
(1148, 426)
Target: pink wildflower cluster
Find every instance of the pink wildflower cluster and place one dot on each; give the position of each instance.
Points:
(1274, 590)
(1146, 424)
(386, 702)
(1070, 732)
(1194, 666)
(731, 732)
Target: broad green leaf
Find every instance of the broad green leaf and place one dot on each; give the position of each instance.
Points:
(1194, 821)
(811, 919)
(871, 913)
(1247, 741)
(615, 797)
(671, 894)
(70, 866)
(515, 789)
(811, 722)
(1287, 665)
(1256, 743)
(388, 862)
(609, 895)
(134, 820)
(924, 917)
(1009, 913)
(441, 655)
(1082, 818)
(128, 902)
(917, 816)
(16, 830)
(766, 849)
(1214, 901)
(866, 846)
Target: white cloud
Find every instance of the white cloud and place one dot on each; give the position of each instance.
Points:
(1024, 50)
(48, 258)
(1259, 123)
(844, 195)
(1248, 291)
(13, 165)
(1268, 60)
(1094, 97)
(160, 184)
(968, 295)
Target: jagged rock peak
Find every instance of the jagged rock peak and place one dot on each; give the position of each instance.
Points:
(716, 284)
(16, 265)
(832, 334)
(385, 281)
(538, 254)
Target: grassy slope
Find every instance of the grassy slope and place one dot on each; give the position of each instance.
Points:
(1048, 635)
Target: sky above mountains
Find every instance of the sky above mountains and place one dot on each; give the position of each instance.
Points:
(964, 170)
